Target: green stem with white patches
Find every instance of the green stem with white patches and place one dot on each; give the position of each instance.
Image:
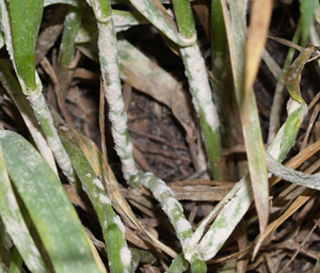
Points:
(12, 87)
(43, 115)
(200, 90)
(112, 227)
(174, 211)
(28, 77)
(205, 108)
(108, 55)
(311, 181)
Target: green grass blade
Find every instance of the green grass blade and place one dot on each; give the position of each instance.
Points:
(227, 220)
(236, 31)
(307, 8)
(200, 90)
(67, 46)
(25, 22)
(112, 228)
(178, 265)
(15, 224)
(12, 87)
(47, 203)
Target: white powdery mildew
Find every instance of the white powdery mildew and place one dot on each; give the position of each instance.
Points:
(188, 41)
(121, 151)
(109, 60)
(125, 255)
(104, 199)
(129, 167)
(40, 107)
(119, 223)
(113, 92)
(113, 70)
(98, 183)
(119, 122)
(292, 106)
(183, 225)
(62, 157)
(3, 134)
(275, 147)
(21, 236)
(118, 105)
(199, 84)
(159, 189)
(212, 118)
(172, 207)
(228, 218)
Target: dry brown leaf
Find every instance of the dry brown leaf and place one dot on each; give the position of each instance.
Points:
(257, 37)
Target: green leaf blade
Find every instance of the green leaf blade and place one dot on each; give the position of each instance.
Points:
(25, 21)
(48, 205)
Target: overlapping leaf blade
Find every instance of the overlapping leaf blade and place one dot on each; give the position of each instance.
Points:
(50, 210)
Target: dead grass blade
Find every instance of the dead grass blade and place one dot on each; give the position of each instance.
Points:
(257, 36)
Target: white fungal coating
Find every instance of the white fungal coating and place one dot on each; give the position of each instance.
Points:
(119, 223)
(19, 232)
(104, 199)
(225, 224)
(199, 85)
(44, 117)
(161, 188)
(98, 183)
(129, 167)
(125, 255)
(112, 86)
(292, 106)
(183, 225)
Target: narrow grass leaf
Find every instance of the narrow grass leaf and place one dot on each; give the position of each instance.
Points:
(47, 203)
(299, 178)
(112, 227)
(11, 85)
(15, 224)
(235, 22)
(67, 49)
(307, 8)
(147, 9)
(200, 89)
(25, 22)
(233, 210)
